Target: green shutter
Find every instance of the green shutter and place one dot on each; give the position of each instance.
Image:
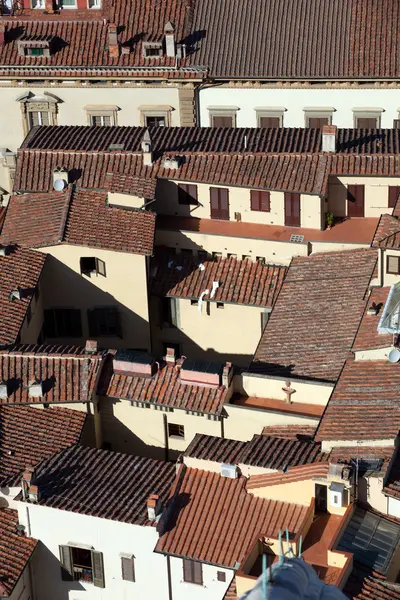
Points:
(98, 569)
(66, 563)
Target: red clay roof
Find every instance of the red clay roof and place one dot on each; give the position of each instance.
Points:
(163, 389)
(28, 435)
(103, 484)
(392, 485)
(15, 551)
(296, 473)
(20, 268)
(215, 519)
(344, 454)
(368, 337)
(291, 432)
(365, 403)
(261, 451)
(67, 373)
(387, 234)
(240, 281)
(79, 217)
(364, 584)
(316, 315)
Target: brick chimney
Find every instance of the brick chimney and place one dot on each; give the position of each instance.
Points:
(227, 374)
(169, 32)
(153, 506)
(33, 493)
(113, 46)
(91, 347)
(329, 133)
(170, 357)
(26, 481)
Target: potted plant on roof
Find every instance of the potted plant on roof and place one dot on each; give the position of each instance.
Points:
(329, 220)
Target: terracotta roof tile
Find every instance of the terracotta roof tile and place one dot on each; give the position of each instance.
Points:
(216, 519)
(80, 217)
(240, 281)
(316, 316)
(261, 451)
(298, 473)
(364, 584)
(291, 432)
(163, 389)
(28, 435)
(368, 337)
(103, 484)
(15, 551)
(66, 375)
(231, 592)
(387, 234)
(392, 485)
(20, 268)
(344, 454)
(365, 403)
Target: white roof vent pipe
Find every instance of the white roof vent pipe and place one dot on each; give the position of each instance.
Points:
(200, 302)
(169, 32)
(329, 134)
(215, 286)
(146, 149)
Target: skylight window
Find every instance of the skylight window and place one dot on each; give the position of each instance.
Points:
(390, 320)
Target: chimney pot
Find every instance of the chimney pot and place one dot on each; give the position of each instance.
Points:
(33, 493)
(169, 31)
(227, 373)
(170, 357)
(329, 133)
(91, 347)
(146, 149)
(153, 506)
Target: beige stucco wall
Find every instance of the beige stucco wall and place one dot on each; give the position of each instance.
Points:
(376, 194)
(239, 202)
(125, 200)
(266, 386)
(378, 354)
(125, 286)
(215, 334)
(137, 430)
(274, 252)
(335, 247)
(370, 492)
(215, 467)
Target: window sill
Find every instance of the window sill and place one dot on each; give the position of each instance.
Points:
(177, 437)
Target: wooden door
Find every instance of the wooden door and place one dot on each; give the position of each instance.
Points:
(292, 210)
(219, 204)
(321, 497)
(355, 201)
(394, 191)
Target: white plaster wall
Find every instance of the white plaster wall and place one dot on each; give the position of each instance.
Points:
(376, 194)
(377, 354)
(212, 589)
(129, 200)
(393, 507)
(296, 99)
(55, 527)
(23, 589)
(265, 386)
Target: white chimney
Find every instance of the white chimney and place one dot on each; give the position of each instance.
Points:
(227, 374)
(36, 390)
(146, 149)
(170, 357)
(169, 32)
(329, 133)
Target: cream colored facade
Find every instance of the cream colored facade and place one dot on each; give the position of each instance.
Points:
(376, 194)
(124, 287)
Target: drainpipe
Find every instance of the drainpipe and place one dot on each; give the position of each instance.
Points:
(380, 267)
(170, 596)
(166, 437)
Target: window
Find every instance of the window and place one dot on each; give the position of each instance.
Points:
(221, 121)
(67, 3)
(220, 305)
(101, 115)
(316, 118)
(155, 121)
(192, 571)
(62, 322)
(91, 264)
(100, 120)
(194, 303)
(269, 122)
(169, 312)
(270, 117)
(317, 122)
(222, 116)
(176, 430)
(367, 119)
(155, 115)
(260, 200)
(393, 265)
(221, 576)
(128, 568)
(219, 201)
(82, 564)
(187, 194)
(38, 110)
(104, 322)
(264, 320)
(39, 117)
(33, 47)
(94, 3)
(394, 191)
(35, 51)
(152, 50)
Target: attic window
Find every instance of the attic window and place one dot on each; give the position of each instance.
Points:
(152, 50)
(34, 48)
(92, 265)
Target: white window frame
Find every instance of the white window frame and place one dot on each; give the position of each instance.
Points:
(367, 113)
(94, 4)
(318, 112)
(38, 4)
(68, 6)
(270, 111)
(223, 111)
(102, 111)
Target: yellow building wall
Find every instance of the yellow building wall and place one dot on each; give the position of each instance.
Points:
(376, 194)
(215, 334)
(125, 286)
(264, 386)
(128, 200)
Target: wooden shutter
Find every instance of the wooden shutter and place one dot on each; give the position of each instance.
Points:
(214, 203)
(187, 570)
(394, 191)
(67, 573)
(100, 267)
(366, 123)
(317, 122)
(222, 121)
(224, 203)
(254, 200)
(265, 202)
(197, 573)
(98, 568)
(128, 568)
(269, 122)
(355, 201)
(292, 209)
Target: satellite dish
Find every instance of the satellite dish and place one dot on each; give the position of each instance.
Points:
(59, 185)
(394, 355)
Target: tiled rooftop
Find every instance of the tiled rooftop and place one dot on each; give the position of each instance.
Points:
(20, 268)
(365, 403)
(261, 451)
(79, 217)
(163, 389)
(28, 435)
(368, 337)
(67, 374)
(215, 519)
(240, 281)
(290, 432)
(392, 485)
(103, 484)
(294, 474)
(366, 584)
(281, 406)
(15, 551)
(387, 234)
(316, 316)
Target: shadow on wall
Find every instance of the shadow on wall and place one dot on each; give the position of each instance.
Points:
(48, 583)
(61, 287)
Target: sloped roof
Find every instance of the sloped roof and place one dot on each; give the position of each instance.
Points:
(80, 217)
(240, 281)
(15, 551)
(316, 316)
(365, 404)
(387, 234)
(294, 474)
(368, 337)
(392, 485)
(367, 584)
(291, 432)
(214, 519)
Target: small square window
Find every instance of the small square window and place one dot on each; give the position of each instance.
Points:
(217, 254)
(335, 499)
(261, 259)
(246, 257)
(220, 305)
(229, 255)
(100, 120)
(155, 121)
(152, 50)
(177, 431)
(393, 265)
(194, 303)
(221, 576)
(91, 264)
(35, 51)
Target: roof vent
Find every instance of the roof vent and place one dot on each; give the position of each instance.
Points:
(197, 372)
(133, 362)
(4, 250)
(171, 163)
(169, 32)
(15, 295)
(146, 149)
(3, 390)
(116, 147)
(329, 138)
(35, 390)
(60, 179)
(229, 471)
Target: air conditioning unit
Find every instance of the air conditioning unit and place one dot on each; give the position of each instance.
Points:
(229, 471)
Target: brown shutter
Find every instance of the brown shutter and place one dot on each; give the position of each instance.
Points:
(128, 568)
(265, 201)
(198, 573)
(214, 203)
(365, 123)
(269, 122)
(187, 570)
(66, 563)
(355, 201)
(254, 200)
(222, 121)
(224, 204)
(393, 195)
(98, 568)
(317, 122)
